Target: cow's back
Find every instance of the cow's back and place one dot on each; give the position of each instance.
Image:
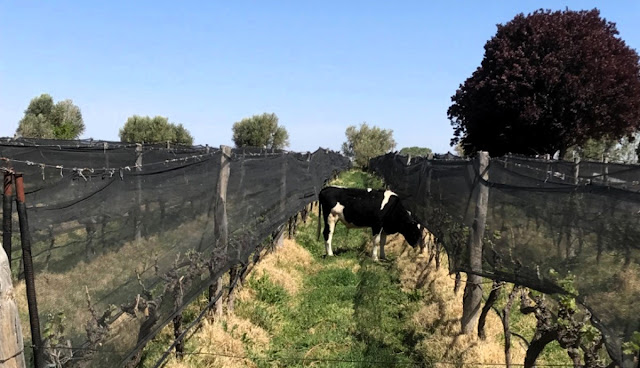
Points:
(361, 207)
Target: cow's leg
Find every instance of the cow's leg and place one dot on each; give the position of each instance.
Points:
(329, 227)
(376, 244)
(383, 240)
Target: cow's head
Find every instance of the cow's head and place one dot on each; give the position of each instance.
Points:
(413, 231)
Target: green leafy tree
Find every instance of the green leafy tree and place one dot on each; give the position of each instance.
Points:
(44, 119)
(622, 150)
(549, 81)
(366, 142)
(459, 150)
(260, 131)
(66, 119)
(182, 135)
(416, 151)
(154, 130)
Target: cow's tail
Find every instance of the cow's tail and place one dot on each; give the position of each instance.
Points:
(319, 220)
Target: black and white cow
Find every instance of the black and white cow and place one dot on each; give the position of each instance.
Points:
(380, 210)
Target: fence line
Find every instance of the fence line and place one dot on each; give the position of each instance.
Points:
(139, 243)
(539, 231)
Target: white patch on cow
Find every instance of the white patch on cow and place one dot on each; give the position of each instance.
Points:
(331, 221)
(338, 211)
(387, 195)
(369, 190)
(336, 214)
(419, 226)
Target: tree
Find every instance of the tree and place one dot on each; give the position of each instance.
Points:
(459, 150)
(66, 119)
(548, 81)
(182, 135)
(366, 142)
(44, 119)
(260, 131)
(416, 151)
(154, 130)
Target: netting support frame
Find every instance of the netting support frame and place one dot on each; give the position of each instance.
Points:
(221, 222)
(27, 260)
(7, 209)
(472, 299)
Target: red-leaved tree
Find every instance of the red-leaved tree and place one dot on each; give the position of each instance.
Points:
(548, 81)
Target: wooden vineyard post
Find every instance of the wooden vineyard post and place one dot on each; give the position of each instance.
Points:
(138, 211)
(473, 290)
(548, 174)
(283, 193)
(11, 343)
(576, 170)
(7, 208)
(605, 161)
(222, 232)
(105, 147)
(25, 237)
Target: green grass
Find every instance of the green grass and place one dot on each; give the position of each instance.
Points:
(358, 179)
(350, 311)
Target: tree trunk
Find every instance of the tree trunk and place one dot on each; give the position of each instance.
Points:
(536, 347)
(493, 297)
(473, 290)
(506, 313)
(456, 285)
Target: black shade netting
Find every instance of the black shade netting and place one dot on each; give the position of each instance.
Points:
(539, 223)
(141, 242)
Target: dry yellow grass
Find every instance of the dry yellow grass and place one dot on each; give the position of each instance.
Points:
(227, 341)
(440, 315)
(224, 343)
(65, 292)
(285, 267)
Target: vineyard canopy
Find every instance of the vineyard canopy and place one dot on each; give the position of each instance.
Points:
(140, 241)
(541, 217)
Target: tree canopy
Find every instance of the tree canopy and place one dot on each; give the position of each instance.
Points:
(366, 142)
(154, 130)
(621, 151)
(44, 119)
(260, 131)
(416, 151)
(548, 81)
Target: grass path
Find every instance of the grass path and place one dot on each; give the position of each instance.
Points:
(350, 312)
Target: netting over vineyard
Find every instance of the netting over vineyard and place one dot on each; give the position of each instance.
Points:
(135, 232)
(574, 218)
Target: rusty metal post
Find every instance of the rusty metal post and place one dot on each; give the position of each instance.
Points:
(25, 237)
(7, 208)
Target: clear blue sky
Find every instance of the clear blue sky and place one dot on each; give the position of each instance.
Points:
(319, 65)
